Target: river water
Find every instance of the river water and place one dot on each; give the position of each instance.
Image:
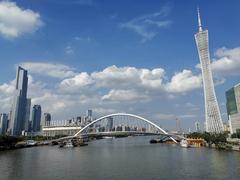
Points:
(119, 159)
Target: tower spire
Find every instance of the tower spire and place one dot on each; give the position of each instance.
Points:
(199, 20)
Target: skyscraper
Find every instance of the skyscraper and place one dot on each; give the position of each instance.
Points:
(233, 108)
(197, 127)
(36, 118)
(47, 119)
(27, 117)
(109, 126)
(3, 123)
(89, 113)
(18, 112)
(213, 118)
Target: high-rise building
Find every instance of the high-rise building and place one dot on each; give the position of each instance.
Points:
(18, 111)
(3, 123)
(109, 126)
(197, 126)
(27, 117)
(36, 118)
(233, 108)
(47, 119)
(89, 113)
(213, 118)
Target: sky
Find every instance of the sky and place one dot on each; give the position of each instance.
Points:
(134, 56)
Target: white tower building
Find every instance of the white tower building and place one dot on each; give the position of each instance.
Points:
(213, 118)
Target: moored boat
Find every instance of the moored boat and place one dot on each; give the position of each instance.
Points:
(184, 143)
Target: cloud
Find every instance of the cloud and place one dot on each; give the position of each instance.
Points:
(226, 62)
(138, 80)
(124, 95)
(6, 93)
(16, 21)
(113, 89)
(59, 71)
(184, 81)
(76, 83)
(123, 77)
(147, 26)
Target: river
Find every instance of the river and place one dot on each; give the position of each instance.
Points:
(119, 159)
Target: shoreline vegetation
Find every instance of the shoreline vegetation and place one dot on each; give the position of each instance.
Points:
(12, 142)
(220, 141)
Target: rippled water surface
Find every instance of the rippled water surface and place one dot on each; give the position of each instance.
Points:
(123, 158)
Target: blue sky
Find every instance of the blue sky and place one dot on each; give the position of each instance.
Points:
(83, 40)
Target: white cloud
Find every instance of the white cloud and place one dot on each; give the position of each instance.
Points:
(48, 69)
(227, 61)
(124, 95)
(15, 21)
(6, 93)
(117, 79)
(6, 89)
(125, 77)
(184, 81)
(114, 89)
(147, 26)
(76, 83)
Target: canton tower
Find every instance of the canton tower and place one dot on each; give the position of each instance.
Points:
(213, 120)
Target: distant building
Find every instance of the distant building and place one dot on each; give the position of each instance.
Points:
(3, 123)
(197, 127)
(47, 119)
(27, 117)
(79, 120)
(18, 111)
(233, 107)
(89, 113)
(226, 127)
(36, 118)
(109, 125)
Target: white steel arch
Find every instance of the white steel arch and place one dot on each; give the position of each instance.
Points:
(124, 114)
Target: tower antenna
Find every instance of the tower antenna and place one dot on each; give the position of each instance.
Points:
(199, 20)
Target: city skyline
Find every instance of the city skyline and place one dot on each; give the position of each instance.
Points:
(135, 72)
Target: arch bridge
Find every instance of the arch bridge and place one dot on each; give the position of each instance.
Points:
(131, 125)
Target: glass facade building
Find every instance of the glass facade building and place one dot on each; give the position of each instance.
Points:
(47, 119)
(18, 111)
(233, 107)
(109, 125)
(36, 118)
(27, 127)
(3, 123)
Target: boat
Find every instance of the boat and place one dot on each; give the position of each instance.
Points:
(157, 140)
(69, 144)
(184, 143)
(107, 137)
(153, 141)
(31, 143)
